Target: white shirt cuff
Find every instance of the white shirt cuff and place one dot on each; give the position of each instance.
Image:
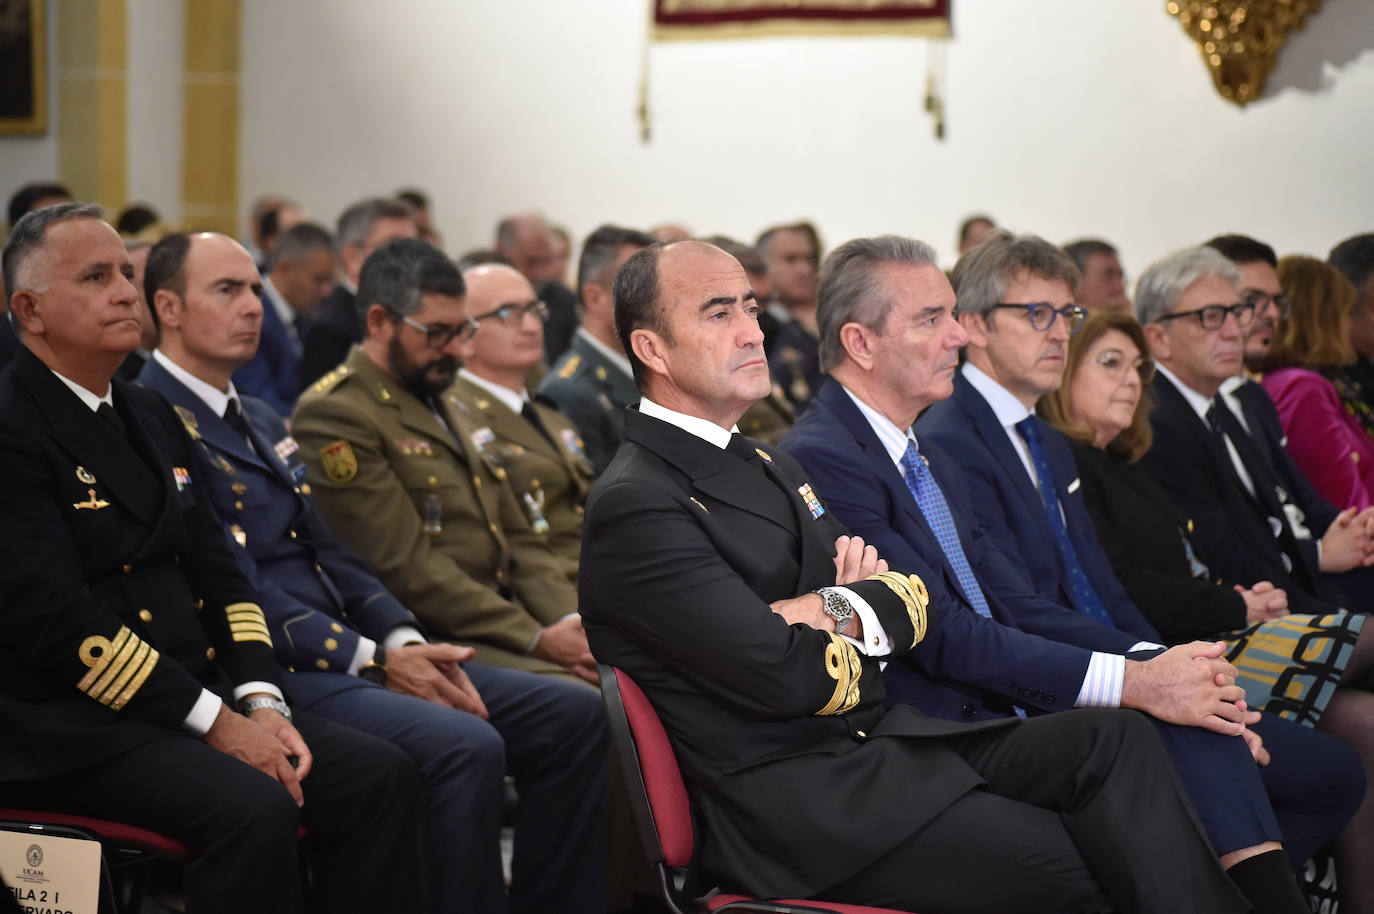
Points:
(366, 650)
(1102, 684)
(402, 635)
(248, 688)
(1145, 646)
(875, 643)
(203, 713)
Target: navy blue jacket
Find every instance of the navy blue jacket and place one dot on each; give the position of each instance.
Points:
(1007, 504)
(317, 595)
(976, 666)
(273, 374)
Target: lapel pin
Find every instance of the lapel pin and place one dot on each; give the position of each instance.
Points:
(85, 476)
(763, 454)
(93, 504)
(700, 505)
(240, 536)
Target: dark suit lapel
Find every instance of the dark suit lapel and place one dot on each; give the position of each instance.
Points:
(212, 429)
(994, 436)
(121, 467)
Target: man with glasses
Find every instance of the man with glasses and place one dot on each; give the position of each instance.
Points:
(536, 445)
(1217, 462)
(398, 469)
(352, 652)
(889, 341)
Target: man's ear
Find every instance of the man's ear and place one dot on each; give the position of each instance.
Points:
(650, 349)
(375, 321)
(1157, 338)
(24, 310)
(593, 297)
(857, 341)
(165, 303)
(976, 326)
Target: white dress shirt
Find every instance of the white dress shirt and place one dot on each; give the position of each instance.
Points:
(516, 400)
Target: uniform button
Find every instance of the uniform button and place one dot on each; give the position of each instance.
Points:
(305, 489)
(330, 644)
(200, 604)
(128, 568)
(433, 481)
(336, 627)
(500, 577)
(293, 534)
(322, 663)
(209, 653)
(477, 482)
(290, 669)
(861, 734)
(969, 710)
(145, 615)
(500, 473)
(318, 569)
(495, 530)
(238, 506)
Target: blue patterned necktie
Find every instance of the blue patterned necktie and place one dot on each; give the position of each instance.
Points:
(1085, 599)
(932, 503)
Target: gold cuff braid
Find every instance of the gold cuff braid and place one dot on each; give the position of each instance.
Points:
(843, 665)
(914, 595)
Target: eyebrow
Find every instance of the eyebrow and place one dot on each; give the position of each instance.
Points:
(718, 300)
(931, 311)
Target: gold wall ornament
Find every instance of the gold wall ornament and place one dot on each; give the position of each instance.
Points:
(1240, 39)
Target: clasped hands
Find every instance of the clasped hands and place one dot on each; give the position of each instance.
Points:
(1349, 541)
(854, 561)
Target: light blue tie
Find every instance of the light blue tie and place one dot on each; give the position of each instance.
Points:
(1085, 599)
(932, 503)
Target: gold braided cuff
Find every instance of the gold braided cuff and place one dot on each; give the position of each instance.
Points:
(914, 595)
(842, 664)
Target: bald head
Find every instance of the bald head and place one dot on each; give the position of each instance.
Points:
(526, 240)
(511, 338)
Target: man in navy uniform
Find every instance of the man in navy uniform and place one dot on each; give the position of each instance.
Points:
(354, 653)
(129, 634)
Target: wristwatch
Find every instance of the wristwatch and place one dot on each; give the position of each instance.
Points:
(375, 669)
(249, 705)
(837, 608)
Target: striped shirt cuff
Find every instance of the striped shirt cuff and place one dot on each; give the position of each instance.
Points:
(1102, 684)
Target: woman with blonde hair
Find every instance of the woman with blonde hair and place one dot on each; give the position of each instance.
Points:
(1301, 373)
(1317, 670)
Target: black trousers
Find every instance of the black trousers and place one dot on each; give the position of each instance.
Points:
(1082, 813)
(364, 812)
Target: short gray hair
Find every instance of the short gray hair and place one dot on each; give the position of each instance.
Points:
(27, 238)
(982, 275)
(851, 292)
(356, 222)
(1163, 284)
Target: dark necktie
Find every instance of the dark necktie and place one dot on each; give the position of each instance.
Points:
(532, 417)
(921, 482)
(233, 414)
(1214, 422)
(112, 418)
(1081, 591)
(741, 448)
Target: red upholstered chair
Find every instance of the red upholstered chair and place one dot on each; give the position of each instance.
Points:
(125, 850)
(661, 810)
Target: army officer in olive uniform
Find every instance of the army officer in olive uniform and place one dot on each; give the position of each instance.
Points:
(537, 445)
(398, 471)
(592, 383)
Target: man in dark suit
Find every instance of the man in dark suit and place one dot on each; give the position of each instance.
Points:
(1355, 258)
(592, 384)
(792, 254)
(890, 343)
(122, 586)
(302, 275)
(355, 654)
(362, 228)
(698, 544)
(1225, 476)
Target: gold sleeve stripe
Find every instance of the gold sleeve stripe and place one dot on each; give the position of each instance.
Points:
(914, 595)
(96, 652)
(842, 664)
(130, 668)
(121, 664)
(246, 623)
(137, 682)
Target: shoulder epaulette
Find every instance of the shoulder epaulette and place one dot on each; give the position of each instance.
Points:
(330, 380)
(570, 366)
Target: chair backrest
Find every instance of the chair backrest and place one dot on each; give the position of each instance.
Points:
(657, 794)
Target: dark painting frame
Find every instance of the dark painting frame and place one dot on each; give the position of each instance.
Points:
(23, 67)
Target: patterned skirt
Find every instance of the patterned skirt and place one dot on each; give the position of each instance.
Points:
(1291, 666)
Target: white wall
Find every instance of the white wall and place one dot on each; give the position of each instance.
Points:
(155, 29)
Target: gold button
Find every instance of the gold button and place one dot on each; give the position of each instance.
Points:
(128, 568)
(330, 644)
(322, 663)
(861, 734)
(238, 506)
(433, 481)
(336, 626)
(305, 488)
(500, 577)
(477, 482)
(534, 483)
(293, 534)
(145, 615)
(495, 530)
(200, 604)
(290, 669)
(500, 473)
(209, 653)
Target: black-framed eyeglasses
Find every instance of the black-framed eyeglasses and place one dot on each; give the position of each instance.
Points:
(1042, 314)
(1113, 361)
(514, 314)
(441, 335)
(1258, 300)
(1211, 317)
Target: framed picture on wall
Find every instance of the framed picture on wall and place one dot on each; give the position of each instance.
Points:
(23, 67)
